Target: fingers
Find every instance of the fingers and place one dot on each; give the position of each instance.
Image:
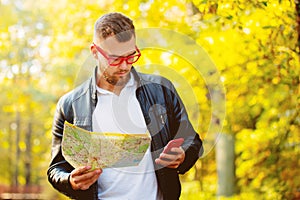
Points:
(172, 160)
(165, 163)
(81, 170)
(81, 178)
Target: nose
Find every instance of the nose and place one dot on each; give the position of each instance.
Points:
(123, 65)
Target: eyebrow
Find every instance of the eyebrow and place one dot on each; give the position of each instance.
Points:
(117, 56)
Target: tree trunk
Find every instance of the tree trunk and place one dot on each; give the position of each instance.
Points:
(225, 165)
(28, 158)
(11, 154)
(18, 151)
(297, 4)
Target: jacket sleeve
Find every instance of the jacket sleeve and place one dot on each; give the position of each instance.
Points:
(182, 127)
(59, 169)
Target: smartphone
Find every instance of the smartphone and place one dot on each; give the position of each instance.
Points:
(173, 143)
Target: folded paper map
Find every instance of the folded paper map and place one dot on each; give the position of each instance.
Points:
(102, 150)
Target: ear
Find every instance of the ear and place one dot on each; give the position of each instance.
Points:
(93, 51)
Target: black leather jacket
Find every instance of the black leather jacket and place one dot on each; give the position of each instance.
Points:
(165, 116)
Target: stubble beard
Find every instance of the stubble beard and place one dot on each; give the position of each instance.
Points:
(116, 81)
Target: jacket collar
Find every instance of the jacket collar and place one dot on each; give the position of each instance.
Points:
(136, 76)
(94, 82)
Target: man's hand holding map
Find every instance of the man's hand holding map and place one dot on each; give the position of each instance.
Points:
(102, 150)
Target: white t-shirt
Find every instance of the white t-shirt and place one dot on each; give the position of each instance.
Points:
(123, 114)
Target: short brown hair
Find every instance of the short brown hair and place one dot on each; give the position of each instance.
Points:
(114, 24)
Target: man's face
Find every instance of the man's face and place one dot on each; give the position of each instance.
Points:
(115, 50)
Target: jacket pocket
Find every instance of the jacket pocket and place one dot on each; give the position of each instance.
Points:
(83, 122)
(159, 122)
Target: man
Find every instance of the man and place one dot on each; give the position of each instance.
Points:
(119, 99)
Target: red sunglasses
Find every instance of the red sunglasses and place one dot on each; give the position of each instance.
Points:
(117, 60)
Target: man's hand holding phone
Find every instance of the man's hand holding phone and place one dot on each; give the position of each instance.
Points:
(173, 155)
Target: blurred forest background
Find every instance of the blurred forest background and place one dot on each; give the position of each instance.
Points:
(253, 43)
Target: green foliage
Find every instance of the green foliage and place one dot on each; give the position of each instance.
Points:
(254, 44)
